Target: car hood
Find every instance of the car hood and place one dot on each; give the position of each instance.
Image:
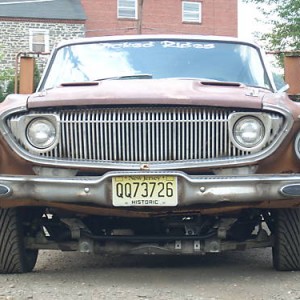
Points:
(150, 91)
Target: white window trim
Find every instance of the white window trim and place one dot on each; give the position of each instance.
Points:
(46, 35)
(135, 11)
(200, 12)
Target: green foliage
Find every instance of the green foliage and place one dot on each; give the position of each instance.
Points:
(36, 76)
(284, 17)
(7, 83)
(2, 96)
(6, 80)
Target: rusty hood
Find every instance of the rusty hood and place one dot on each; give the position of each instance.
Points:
(150, 91)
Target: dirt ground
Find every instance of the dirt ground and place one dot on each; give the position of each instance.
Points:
(232, 275)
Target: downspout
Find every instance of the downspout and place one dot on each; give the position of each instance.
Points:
(140, 16)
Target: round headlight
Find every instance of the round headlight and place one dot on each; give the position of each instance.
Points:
(41, 133)
(248, 132)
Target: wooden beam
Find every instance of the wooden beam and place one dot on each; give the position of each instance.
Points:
(26, 85)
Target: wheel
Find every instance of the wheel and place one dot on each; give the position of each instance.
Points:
(14, 258)
(286, 248)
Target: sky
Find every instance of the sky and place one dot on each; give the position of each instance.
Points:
(247, 23)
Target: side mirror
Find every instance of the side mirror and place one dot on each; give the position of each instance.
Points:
(284, 88)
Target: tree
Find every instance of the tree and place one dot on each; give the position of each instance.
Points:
(284, 17)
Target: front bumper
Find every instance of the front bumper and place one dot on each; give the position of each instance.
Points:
(192, 189)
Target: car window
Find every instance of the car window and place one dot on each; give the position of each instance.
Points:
(222, 61)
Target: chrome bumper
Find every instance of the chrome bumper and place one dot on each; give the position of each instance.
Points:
(192, 189)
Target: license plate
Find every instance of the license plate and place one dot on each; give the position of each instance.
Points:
(144, 190)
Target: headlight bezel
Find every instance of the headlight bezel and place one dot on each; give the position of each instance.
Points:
(262, 118)
(21, 124)
(297, 142)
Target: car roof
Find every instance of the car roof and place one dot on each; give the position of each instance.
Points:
(156, 37)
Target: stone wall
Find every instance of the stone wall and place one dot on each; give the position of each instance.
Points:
(14, 38)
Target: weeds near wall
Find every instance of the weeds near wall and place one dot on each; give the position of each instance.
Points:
(7, 80)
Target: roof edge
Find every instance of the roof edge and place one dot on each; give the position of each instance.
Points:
(43, 20)
(108, 38)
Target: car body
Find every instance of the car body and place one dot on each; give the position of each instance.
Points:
(151, 144)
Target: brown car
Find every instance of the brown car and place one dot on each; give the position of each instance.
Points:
(150, 145)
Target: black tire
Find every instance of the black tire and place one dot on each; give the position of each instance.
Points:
(14, 258)
(286, 248)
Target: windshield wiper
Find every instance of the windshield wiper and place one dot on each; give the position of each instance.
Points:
(125, 77)
(209, 81)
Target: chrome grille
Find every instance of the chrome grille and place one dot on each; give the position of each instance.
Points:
(147, 134)
(136, 135)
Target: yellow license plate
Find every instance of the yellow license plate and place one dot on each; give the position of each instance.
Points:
(145, 190)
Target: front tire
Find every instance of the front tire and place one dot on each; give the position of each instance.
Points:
(286, 249)
(14, 258)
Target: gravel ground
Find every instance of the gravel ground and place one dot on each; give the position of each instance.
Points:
(234, 275)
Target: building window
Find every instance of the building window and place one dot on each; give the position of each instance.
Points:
(191, 12)
(127, 9)
(39, 40)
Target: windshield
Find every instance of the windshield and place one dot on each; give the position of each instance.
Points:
(209, 60)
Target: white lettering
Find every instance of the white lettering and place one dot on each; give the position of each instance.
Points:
(127, 45)
(164, 44)
(184, 45)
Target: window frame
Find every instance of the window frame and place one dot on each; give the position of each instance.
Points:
(135, 17)
(199, 12)
(45, 33)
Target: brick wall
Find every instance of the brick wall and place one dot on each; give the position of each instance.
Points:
(14, 37)
(219, 17)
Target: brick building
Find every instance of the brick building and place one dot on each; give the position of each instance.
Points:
(110, 17)
(37, 25)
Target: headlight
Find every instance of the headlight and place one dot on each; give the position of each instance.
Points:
(297, 145)
(41, 133)
(248, 132)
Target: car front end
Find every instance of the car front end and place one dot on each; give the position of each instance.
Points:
(152, 145)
